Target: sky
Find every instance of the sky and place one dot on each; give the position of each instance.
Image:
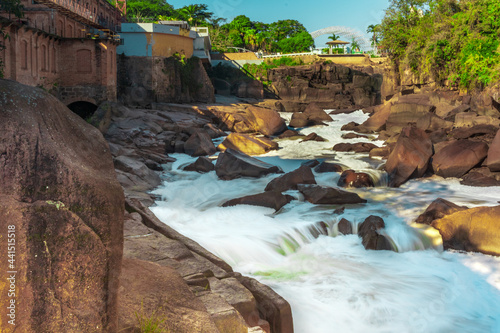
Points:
(313, 14)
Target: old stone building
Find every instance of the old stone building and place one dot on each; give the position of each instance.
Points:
(68, 47)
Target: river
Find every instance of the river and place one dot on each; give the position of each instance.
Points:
(331, 282)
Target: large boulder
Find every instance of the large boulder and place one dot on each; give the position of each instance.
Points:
(60, 195)
(317, 194)
(407, 110)
(290, 180)
(233, 164)
(369, 231)
(328, 167)
(493, 160)
(248, 144)
(249, 120)
(439, 208)
(475, 229)
(148, 177)
(410, 157)
(199, 144)
(457, 158)
(351, 178)
(312, 115)
(271, 199)
(377, 120)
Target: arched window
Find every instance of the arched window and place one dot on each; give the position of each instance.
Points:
(45, 58)
(24, 54)
(60, 28)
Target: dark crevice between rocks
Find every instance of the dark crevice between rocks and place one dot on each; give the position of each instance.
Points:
(83, 109)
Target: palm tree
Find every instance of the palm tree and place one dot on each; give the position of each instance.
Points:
(374, 30)
(334, 37)
(354, 45)
(195, 14)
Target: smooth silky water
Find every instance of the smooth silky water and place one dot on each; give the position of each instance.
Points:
(331, 282)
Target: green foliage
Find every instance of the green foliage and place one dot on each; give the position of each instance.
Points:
(148, 10)
(261, 71)
(151, 322)
(446, 40)
(287, 36)
(12, 7)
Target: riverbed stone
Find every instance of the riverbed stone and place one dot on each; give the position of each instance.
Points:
(199, 144)
(248, 144)
(317, 194)
(439, 208)
(359, 147)
(351, 178)
(290, 180)
(475, 229)
(328, 167)
(271, 199)
(233, 164)
(493, 160)
(202, 165)
(369, 231)
(457, 158)
(345, 227)
(410, 157)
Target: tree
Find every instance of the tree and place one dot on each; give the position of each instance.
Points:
(300, 42)
(195, 14)
(149, 10)
(12, 7)
(374, 29)
(334, 37)
(354, 45)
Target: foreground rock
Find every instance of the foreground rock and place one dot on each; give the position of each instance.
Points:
(312, 115)
(317, 194)
(439, 208)
(290, 180)
(350, 178)
(369, 231)
(271, 199)
(328, 167)
(59, 191)
(457, 158)
(475, 229)
(199, 144)
(233, 164)
(410, 157)
(248, 144)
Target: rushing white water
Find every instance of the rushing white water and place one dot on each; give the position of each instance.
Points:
(332, 283)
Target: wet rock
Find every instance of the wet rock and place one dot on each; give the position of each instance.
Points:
(202, 165)
(493, 160)
(233, 164)
(271, 199)
(248, 144)
(272, 307)
(290, 180)
(59, 190)
(311, 163)
(369, 231)
(359, 147)
(267, 122)
(299, 120)
(289, 134)
(314, 137)
(475, 229)
(345, 227)
(377, 121)
(351, 126)
(317, 194)
(214, 131)
(139, 169)
(383, 152)
(410, 157)
(199, 144)
(479, 179)
(439, 208)
(316, 114)
(328, 167)
(339, 211)
(351, 178)
(353, 136)
(457, 158)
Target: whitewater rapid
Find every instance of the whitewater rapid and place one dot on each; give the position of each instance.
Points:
(331, 282)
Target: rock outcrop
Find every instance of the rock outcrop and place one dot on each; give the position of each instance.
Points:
(60, 195)
(248, 144)
(457, 158)
(330, 86)
(271, 199)
(317, 194)
(439, 208)
(493, 161)
(290, 180)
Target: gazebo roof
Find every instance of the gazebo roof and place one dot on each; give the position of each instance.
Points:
(336, 42)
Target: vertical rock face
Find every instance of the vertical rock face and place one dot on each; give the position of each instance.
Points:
(410, 157)
(60, 194)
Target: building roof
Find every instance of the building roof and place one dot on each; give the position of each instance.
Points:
(336, 42)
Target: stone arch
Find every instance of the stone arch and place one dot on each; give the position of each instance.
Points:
(60, 28)
(357, 35)
(84, 109)
(70, 31)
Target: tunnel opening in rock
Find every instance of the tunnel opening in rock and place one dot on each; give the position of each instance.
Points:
(83, 109)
